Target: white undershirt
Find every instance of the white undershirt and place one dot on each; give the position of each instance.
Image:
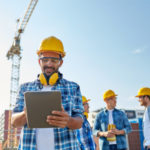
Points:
(146, 121)
(45, 136)
(111, 122)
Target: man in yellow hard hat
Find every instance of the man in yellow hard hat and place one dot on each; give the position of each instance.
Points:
(84, 134)
(63, 137)
(144, 99)
(111, 125)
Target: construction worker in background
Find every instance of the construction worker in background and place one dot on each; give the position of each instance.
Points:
(63, 137)
(111, 125)
(84, 134)
(144, 99)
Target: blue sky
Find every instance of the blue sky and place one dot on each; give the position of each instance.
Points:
(106, 42)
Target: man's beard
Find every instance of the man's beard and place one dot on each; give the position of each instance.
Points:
(50, 73)
(143, 103)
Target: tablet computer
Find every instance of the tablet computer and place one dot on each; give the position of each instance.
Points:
(39, 105)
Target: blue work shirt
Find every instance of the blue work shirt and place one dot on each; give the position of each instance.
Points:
(64, 138)
(85, 136)
(120, 120)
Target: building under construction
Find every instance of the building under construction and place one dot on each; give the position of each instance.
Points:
(9, 139)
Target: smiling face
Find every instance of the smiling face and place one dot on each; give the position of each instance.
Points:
(143, 100)
(86, 107)
(111, 103)
(50, 62)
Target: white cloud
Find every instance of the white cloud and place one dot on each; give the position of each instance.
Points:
(138, 51)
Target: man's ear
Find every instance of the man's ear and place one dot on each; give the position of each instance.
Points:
(39, 61)
(61, 62)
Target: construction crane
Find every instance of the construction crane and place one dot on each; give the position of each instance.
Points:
(15, 55)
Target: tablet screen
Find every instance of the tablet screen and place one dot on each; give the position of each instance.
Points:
(39, 105)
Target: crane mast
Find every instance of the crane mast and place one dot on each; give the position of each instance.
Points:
(15, 55)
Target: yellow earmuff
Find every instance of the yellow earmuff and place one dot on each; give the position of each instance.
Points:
(86, 114)
(53, 79)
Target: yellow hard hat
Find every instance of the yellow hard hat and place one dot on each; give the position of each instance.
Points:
(52, 44)
(143, 91)
(109, 94)
(84, 100)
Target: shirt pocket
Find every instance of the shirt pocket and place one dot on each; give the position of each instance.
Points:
(119, 122)
(103, 124)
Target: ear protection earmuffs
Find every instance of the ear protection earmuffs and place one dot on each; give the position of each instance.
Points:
(52, 80)
(86, 114)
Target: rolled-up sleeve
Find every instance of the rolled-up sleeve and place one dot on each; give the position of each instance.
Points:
(19, 105)
(127, 127)
(77, 109)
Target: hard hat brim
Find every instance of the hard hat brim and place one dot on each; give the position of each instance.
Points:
(111, 97)
(42, 51)
(137, 96)
(86, 101)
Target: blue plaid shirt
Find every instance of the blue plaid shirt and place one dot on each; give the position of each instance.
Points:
(85, 136)
(64, 138)
(120, 120)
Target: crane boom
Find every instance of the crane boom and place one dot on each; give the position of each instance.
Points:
(15, 55)
(27, 16)
(15, 48)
